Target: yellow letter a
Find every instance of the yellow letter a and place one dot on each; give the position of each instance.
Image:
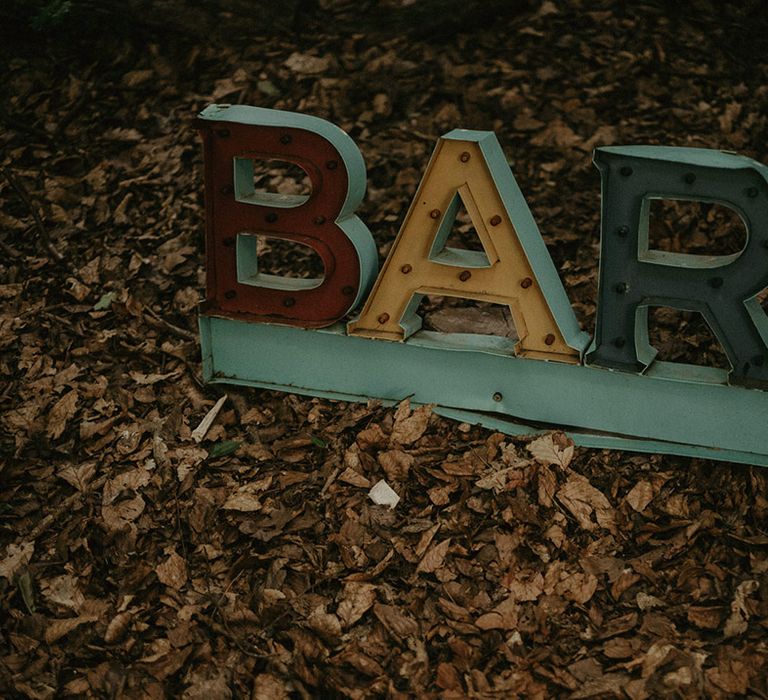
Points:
(515, 269)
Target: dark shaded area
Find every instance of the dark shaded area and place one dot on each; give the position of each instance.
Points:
(136, 562)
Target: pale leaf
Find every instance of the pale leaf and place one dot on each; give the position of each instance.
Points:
(408, 426)
(16, 556)
(552, 448)
(640, 496)
(434, 558)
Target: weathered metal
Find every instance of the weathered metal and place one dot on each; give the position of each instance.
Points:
(672, 408)
(634, 277)
(235, 136)
(469, 167)
(622, 398)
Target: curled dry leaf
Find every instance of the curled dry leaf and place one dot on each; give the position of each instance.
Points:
(552, 448)
(130, 480)
(58, 628)
(350, 476)
(400, 625)
(505, 479)
(117, 515)
(326, 624)
(187, 458)
(63, 590)
(269, 687)
(173, 571)
(738, 621)
(16, 556)
(305, 64)
(356, 599)
(148, 379)
(64, 409)
(117, 627)
(434, 558)
(523, 588)
(503, 617)
(641, 495)
(583, 500)
(547, 485)
(705, 617)
(410, 426)
(396, 464)
(245, 499)
(79, 475)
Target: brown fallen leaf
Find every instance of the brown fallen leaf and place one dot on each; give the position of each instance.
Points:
(583, 500)
(503, 617)
(326, 624)
(434, 558)
(148, 379)
(350, 476)
(410, 426)
(704, 616)
(426, 539)
(448, 678)
(304, 64)
(578, 587)
(504, 479)
(16, 556)
(64, 409)
(400, 625)
(396, 464)
(523, 588)
(116, 516)
(79, 475)
(738, 621)
(269, 687)
(441, 495)
(356, 599)
(63, 590)
(117, 627)
(57, 629)
(362, 662)
(730, 675)
(640, 496)
(245, 499)
(546, 485)
(173, 571)
(552, 448)
(132, 480)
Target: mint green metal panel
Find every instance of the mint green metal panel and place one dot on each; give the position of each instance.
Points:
(674, 409)
(528, 233)
(605, 442)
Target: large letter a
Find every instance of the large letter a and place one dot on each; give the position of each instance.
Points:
(515, 269)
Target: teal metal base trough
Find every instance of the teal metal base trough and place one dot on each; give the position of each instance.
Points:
(672, 409)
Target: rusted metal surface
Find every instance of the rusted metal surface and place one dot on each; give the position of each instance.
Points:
(324, 221)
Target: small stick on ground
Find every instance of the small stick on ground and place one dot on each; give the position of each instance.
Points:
(181, 332)
(20, 190)
(64, 507)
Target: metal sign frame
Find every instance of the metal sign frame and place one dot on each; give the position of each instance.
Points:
(619, 397)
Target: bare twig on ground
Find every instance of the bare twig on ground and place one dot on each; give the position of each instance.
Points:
(21, 191)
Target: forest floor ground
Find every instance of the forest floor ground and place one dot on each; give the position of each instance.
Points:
(136, 562)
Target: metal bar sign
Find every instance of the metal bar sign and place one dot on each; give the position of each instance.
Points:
(349, 335)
